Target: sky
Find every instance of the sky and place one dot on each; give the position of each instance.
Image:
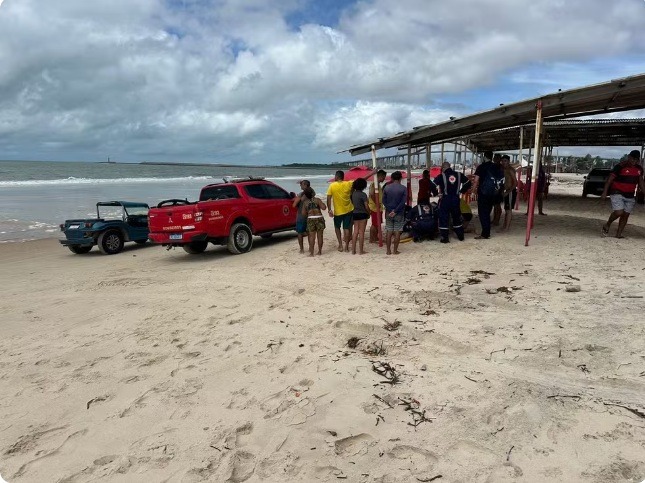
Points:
(284, 81)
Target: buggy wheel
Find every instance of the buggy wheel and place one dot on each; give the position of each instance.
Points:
(110, 242)
(79, 250)
(240, 240)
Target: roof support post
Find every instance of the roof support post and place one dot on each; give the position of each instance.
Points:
(409, 174)
(428, 156)
(463, 159)
(377, 190)
(519, 171)
(443, 146)
(534, 174)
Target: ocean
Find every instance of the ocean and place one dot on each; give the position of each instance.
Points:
(35, 197)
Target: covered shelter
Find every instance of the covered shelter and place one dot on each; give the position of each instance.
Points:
(524, 122)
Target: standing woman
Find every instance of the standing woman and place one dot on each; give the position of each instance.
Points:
(312, 209)
(360, 214)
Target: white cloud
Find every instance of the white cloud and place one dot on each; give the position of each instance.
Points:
(189, 77)
(369, 120)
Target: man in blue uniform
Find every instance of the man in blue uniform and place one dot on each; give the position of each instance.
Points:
(451, 185)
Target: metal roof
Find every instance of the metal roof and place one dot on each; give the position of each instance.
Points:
(617, 95)
(596, 132)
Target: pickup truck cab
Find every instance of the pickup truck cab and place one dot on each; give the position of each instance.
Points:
(116, 222)
(228, 213)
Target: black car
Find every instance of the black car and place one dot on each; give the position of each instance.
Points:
(594, 183)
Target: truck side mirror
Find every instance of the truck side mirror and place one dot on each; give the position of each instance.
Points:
(292, 195)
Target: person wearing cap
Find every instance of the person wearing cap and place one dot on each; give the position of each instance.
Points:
(621, 186)
(301, 219)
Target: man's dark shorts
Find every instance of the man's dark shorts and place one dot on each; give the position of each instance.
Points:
(498, 198)
(344, 220)
(509, 200)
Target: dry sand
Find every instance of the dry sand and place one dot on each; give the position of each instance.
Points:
(161, 366)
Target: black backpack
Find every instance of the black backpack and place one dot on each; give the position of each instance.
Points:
(489, 185)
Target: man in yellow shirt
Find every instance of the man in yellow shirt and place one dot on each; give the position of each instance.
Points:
(339, 193)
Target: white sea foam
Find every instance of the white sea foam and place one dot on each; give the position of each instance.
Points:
(90, 181)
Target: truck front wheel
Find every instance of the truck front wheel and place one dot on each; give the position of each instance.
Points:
(240, 240)
(110, 242)
(195, 247)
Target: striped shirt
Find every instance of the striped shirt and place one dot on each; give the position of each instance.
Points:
(626, 179)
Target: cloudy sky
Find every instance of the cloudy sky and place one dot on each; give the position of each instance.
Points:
(280, 81)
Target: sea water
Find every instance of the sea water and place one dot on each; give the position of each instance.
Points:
(35, 197)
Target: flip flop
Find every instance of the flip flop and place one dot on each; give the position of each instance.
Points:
(620, 237)
(605, 231)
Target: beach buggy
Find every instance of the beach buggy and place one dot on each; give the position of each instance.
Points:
(116, 222)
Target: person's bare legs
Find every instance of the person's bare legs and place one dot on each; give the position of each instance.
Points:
(301, 242)
(497, 214)
(362, 225)
(355, 236)
(508, 216)
(614, 216)
(319, 234)
(311, 236)
(348, 238)
(397, 239)
(373, 234)
(388, 242)
(340, 239)
(622, 223)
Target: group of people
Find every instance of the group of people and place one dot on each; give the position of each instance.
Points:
(495, 184)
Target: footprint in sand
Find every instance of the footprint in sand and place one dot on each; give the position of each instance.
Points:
(353, 445)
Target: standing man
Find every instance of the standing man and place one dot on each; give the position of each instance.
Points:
(394, 197)
(339, 193)
(488, 179)
(451, 185)
(301, 219)
(376, 214)
(621, 185)
(510, 190)
(497, 206)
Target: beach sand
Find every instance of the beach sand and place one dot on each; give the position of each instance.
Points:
(155, 365)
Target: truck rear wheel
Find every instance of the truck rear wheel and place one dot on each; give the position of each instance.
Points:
(110, 242)
(240, 240)
(195, 247)
(79, 250)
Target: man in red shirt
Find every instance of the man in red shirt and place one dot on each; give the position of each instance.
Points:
(621, 186)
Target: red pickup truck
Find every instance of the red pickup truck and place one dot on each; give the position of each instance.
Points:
(227, 213)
